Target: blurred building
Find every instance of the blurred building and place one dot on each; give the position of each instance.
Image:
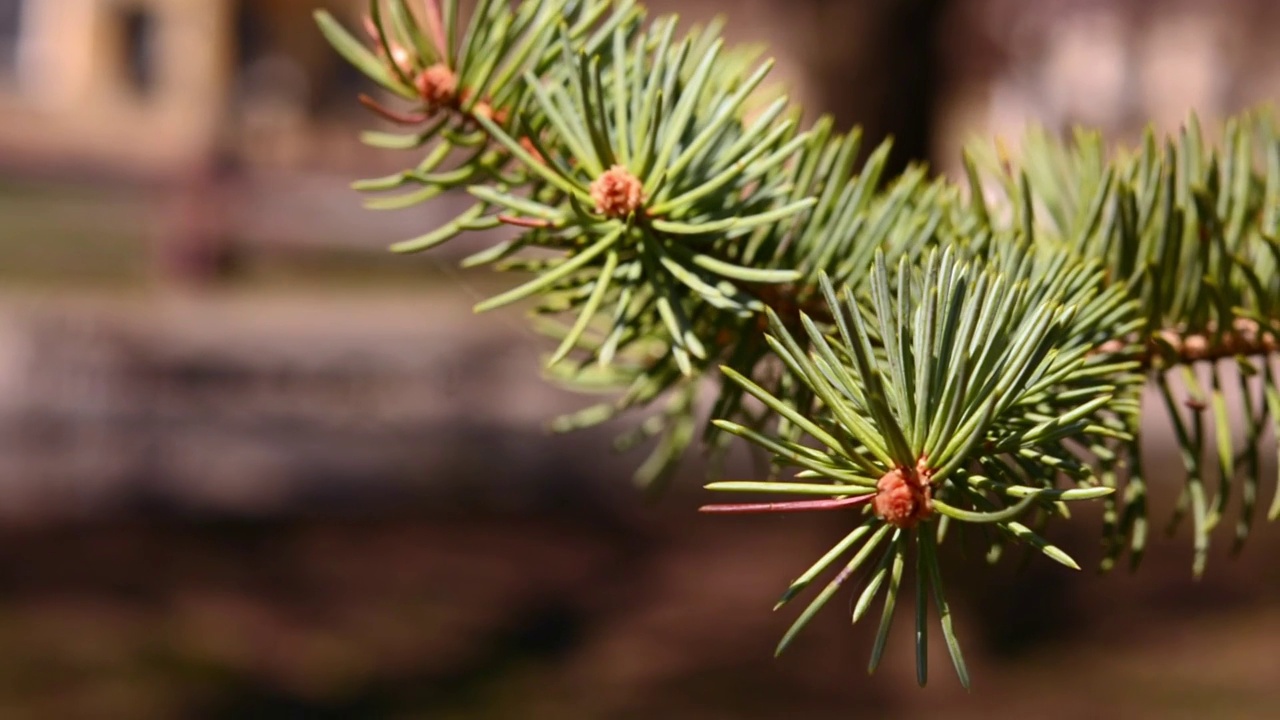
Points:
(156, 86)
(248, 120)
(1114, 65)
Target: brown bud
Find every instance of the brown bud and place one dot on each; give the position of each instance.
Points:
(904, 497)
(617, 192)
(437, 86)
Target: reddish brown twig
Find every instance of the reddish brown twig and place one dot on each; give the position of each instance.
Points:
(536, 223)
(793, 506)
(393, 115)
(1246, 337)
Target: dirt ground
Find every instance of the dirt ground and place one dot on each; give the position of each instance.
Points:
(589, 613)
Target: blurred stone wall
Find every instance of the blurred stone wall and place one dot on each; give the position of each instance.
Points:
(928, 71)
(1114, 65)
(265, 403)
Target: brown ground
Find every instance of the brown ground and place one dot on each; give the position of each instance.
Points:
(590, 614)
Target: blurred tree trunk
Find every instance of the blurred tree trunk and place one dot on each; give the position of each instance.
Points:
(196, 247)
(877, 64)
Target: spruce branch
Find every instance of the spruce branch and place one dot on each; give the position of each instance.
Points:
(936, 357)
(922, 410)
(1189, 229)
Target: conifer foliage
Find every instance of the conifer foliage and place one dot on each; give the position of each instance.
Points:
(935, 358)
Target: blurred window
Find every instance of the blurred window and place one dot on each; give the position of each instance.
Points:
(10, 35)
(337, 82)
(253, 34)
(269, 72)
(138, 30)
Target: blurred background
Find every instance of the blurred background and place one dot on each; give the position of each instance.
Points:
(253, 466)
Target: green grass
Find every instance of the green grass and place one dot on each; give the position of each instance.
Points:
(73, 235)
(102, 237)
